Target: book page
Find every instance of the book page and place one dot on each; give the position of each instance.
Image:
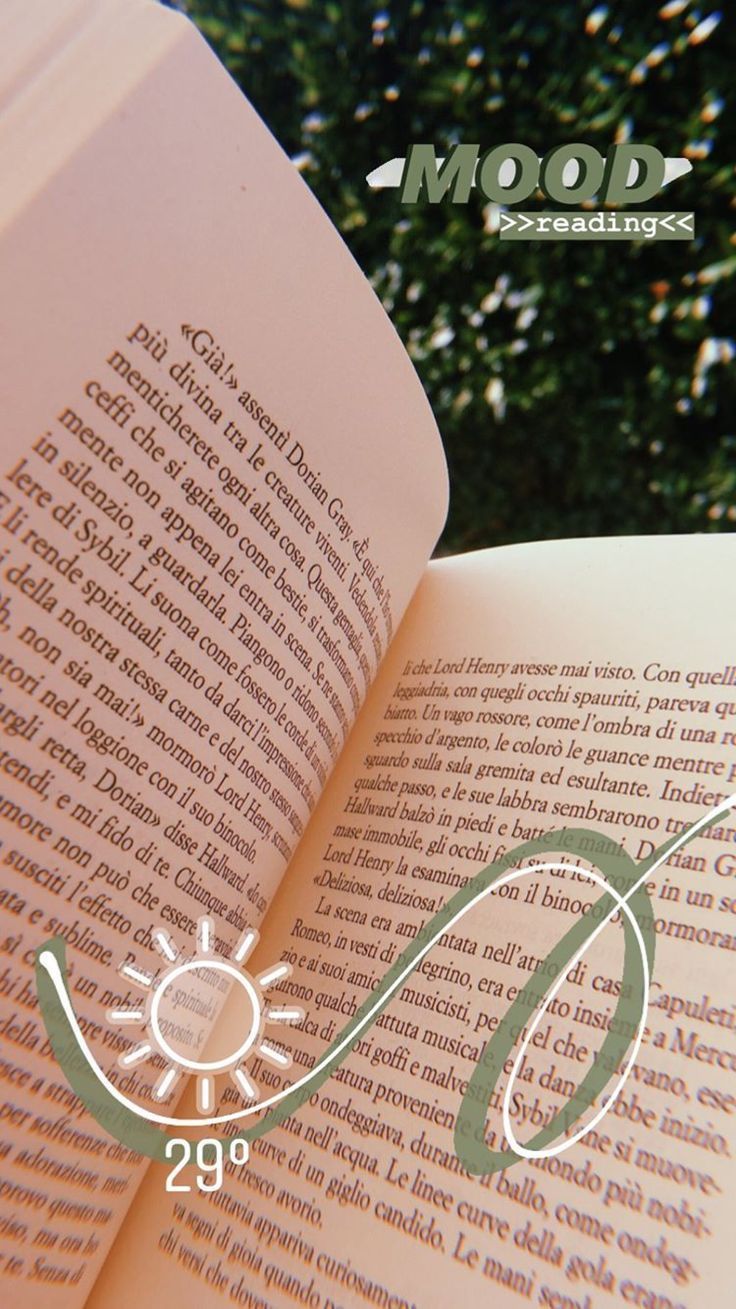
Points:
(533, 688)
(210, 525)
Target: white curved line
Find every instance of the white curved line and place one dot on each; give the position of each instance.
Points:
(49, 962)
(548, 1151)
(567, 1141)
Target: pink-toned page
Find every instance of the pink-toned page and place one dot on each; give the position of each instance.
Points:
(565, 684)
(221, 481)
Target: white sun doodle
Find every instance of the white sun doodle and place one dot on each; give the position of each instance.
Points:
(168, 986)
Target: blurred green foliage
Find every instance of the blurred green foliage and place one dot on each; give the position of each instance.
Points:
(581, 388)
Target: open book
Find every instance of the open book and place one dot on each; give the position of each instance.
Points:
(232, 685)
